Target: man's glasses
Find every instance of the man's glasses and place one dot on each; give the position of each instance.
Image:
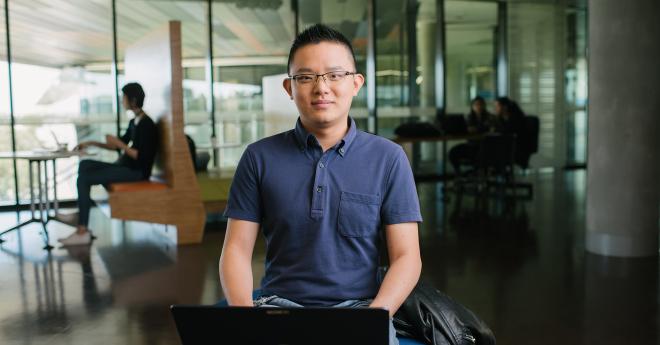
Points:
(311, 79)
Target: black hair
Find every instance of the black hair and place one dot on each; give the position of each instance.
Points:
(478, 99)
(475, 100)
(316, 34)
(134, 93)
(510, 106)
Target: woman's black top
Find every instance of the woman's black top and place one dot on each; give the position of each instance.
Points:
(144, 138)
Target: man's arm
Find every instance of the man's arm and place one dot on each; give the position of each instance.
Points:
(236, 262)
(116, 143)
(405, 266)
(86, 144)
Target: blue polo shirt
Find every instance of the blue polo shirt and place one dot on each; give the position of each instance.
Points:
(320, 212)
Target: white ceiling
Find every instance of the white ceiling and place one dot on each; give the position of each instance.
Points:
(79, 32)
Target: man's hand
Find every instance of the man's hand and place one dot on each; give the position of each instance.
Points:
(83, 145)
(114, 143)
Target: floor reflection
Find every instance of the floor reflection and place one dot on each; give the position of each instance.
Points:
(116, 291)
(519, 265)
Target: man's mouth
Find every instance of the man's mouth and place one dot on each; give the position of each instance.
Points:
(322, 102)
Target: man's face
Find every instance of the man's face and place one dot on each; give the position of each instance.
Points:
(323, 103)
(125, 102)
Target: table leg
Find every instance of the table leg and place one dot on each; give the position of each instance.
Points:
(32, 201)
(46, 203)
(46, 190)
(40, 186)
(55, 200)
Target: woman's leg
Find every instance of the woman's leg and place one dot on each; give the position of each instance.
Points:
(92, 173)
(86, 170)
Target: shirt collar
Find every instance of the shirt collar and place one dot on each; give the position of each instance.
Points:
(304, 137)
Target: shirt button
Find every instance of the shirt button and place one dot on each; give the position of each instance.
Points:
(321, 165)
(319, 189)
(341, 150)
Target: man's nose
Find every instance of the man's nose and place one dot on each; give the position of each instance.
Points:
(321, 85)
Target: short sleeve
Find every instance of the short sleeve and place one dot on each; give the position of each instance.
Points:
(244, 197)
(400, 201)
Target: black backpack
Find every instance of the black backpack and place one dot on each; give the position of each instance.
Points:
(430, 316)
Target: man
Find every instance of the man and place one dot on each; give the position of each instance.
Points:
(134, 164)
(320, 192)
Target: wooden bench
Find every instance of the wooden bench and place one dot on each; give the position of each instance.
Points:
(174, 196)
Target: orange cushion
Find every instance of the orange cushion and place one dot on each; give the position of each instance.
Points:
(136, 186)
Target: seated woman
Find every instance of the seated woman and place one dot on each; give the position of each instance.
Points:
(509, 117)
(134, 164)
(479, 120)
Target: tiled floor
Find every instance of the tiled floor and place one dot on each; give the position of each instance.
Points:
(520, 266)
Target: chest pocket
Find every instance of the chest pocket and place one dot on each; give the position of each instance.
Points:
(359, 214)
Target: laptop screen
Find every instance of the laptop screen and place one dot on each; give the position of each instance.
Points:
(278, 326)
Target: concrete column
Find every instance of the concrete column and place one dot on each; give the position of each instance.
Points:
(623, 179)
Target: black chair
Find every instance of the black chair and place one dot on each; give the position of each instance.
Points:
(498, 156)
(526, 145)
(496, 159)
(528, 142)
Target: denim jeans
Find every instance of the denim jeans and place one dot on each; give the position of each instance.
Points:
(278, 302)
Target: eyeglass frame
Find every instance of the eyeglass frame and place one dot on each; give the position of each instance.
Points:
(346, 73)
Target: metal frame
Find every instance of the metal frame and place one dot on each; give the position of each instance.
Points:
(412, 9)
(502, 62)
(372, 120)
(12, 120)
(211, 100)
(294, 8)
(115, 68)
(441, 75)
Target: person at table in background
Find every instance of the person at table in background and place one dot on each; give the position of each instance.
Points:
(133, 165)
(509, 117)
(479, 121)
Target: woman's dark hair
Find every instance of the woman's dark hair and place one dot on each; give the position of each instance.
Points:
(475, 100)
(316, 34)
(511, 107)
(134, 93)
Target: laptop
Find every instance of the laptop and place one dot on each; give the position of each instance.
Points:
(200, 325)
(454, 124)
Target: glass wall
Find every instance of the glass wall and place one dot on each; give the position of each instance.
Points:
(470, 55)
(136, 19)
(350, 18)
(63, 90)
(470, 29)
(576, 87)
(251, 42)
(393, 78)
(405, 63)
(536, 49)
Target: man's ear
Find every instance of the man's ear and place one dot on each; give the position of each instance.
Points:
(358, 81)
(287, 87)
